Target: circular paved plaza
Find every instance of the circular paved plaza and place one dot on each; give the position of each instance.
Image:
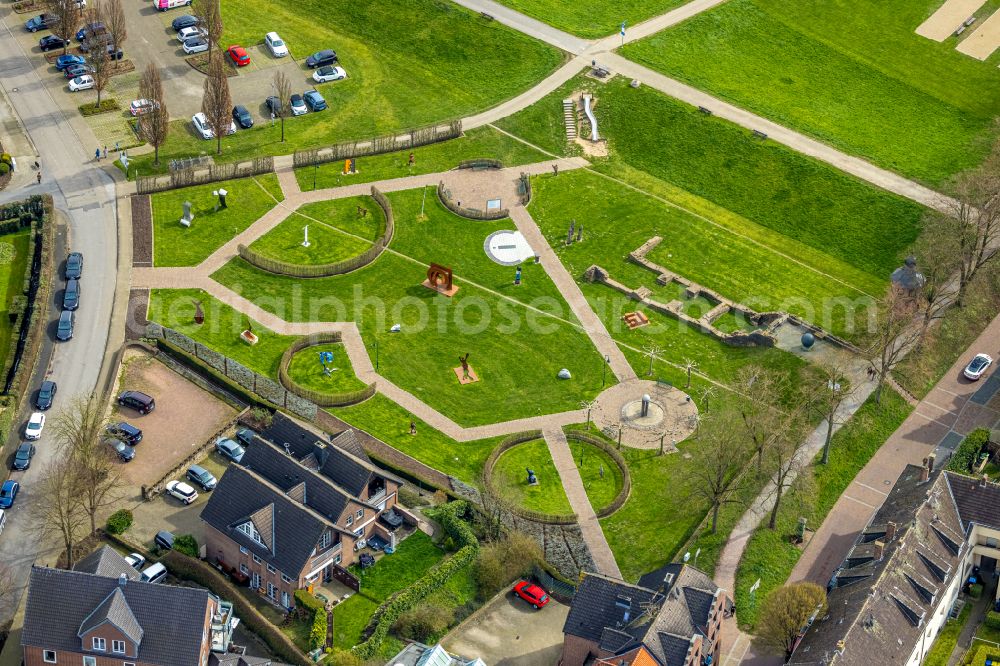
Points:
(670, 414)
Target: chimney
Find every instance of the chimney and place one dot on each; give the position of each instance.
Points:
(925, 470)
(986, 480)
(930, 462)
(122, 580)
(890, 531)
(879, 549)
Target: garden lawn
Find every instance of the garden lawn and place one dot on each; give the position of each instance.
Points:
(592, 18)
(176, 245)
(336, 232)
(387, 421)
(510, 479)
(174, 308)
(518, 337)
(409, 63)
(907, 103)
(769, 555)
(13, 265)
(475, 143)
(306, 370)
(601, 489)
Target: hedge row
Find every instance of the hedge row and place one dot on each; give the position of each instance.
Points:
(508, 443)
(182, 566)
(966, 456)
(623, 494)
(993, 620)
(450, 517)
(317, 635)
(321, 398)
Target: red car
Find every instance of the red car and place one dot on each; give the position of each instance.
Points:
(531, 593)
(239, 55)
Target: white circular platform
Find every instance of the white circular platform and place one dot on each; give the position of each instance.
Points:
(508, 248)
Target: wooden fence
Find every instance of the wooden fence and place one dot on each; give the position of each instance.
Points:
(444, 195)
(321, 398)
(379, 145)
(202, 175)
(508, 443)
(623, 494)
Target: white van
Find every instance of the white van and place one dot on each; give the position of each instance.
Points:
(154, 573)
(164, 5)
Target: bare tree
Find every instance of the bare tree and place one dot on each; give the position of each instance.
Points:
(495, 508)
(216, 103)
(786, 611)
(283, 91)
(783, 458)
(832, 388)
(81, 431)
(154, 124)
(66, 14)
(758, 392)
(57, 511)
(97, 55)
(115, 23)
(8, 586)
(719, 456)
(975, 219)
(654, 352)
(209, 15)
(938, 253)
(893, 332)
(690, 366)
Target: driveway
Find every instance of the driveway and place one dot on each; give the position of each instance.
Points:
(508, 632)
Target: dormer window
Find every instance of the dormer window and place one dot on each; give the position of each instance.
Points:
(99, 644)
(118, 647)
(248, 529)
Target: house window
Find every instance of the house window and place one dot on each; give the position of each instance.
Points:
(244, 569)
(49, 656)
(358, 532)
(324, 540)
(360, 514)
(256, 559)
(272, 591)
(286, 578)
(128, 663)
(243, 549)
(99, 644)
(251, 531)
(90, 661)
(350, 520)
(118, 647)
(271, 569)
(336, 560)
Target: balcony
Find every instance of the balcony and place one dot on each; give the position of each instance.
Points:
(224, 622)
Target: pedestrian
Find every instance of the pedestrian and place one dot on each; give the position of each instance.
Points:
(413, 428)
(39, 175)
(412, 159)
(117, 149)
(97, 153)
(105, 152)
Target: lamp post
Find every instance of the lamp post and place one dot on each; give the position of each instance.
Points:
(315, 169)
(376, 355)
(604, 369)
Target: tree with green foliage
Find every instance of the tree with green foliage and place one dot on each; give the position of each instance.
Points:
(786, 613)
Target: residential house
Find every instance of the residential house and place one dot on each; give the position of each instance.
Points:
(672, 617)
(418, 654)
(101, 614)
(296, 509)
(901, 578)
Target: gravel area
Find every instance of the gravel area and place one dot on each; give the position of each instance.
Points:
(142, 231)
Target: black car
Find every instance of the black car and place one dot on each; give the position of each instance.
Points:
(46, 393)
(186, 21)
(164, 540)
(320, 58)
(137, 400)
(64, 329)
(41, 21)
(74, 266)
(71, 297)
(126, 432)
(115, 54)
(22, 459)
(124, 452)
(242, 116)
(49, 42)
(244, 436)
(273, 104)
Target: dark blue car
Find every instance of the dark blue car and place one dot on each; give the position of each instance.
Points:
(314, 100)
(90, 28)
(8, 491)
(64, 61)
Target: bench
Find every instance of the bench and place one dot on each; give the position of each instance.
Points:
(663, 384)
(488, 17)
(969, 21)
(759, 135)
(960, 30)
(707, 112)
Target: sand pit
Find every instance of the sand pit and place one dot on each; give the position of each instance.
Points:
(946, 20)
(984, 41)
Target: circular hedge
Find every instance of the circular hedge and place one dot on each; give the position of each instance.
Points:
(289, 366)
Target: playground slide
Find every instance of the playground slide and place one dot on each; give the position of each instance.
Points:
(590, 116)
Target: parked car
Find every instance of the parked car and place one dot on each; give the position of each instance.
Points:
(114, 54)
(275, 45)
(137, 400)
(181, 491)
(8, 493)
(164, 5)
(229, 449)
(238, 55)
(36, 424)
(191, 31)
(49, 42)
(200, 123)
(74, 264)
(64, 329)
(245, 435)
(95, 28)
(64, 61)
(82, 82)
(202, 477)
(126, 432)
(71, 297)
(139, 107)
(314, 100)
(185, 21)
(242, 116)
(298, 105)
(22, 457)
(273, 104)
(74, 71)
(124, 452)
(41, 22)
(164, 540)
(195, 45)
(977, 367)
(329, 73)
(320, 58)
(154, 573)
(46, 394)
(531, 593)
(135, 560)
(96, 41)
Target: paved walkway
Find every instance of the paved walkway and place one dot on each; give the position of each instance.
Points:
(593, 535)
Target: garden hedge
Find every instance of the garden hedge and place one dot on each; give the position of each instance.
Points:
(967, 453)
(317, 635)
(120, 521)
(321, 398)
(507, 444)
(993, 620)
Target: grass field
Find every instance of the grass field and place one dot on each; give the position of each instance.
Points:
(14, 262)
(591, 18)
(590, 460)
(511, 479)
(335, 232)
(306, 370)
(409, 63)
(905, 102)
(176, 245)
(476, 143)
(518, 337)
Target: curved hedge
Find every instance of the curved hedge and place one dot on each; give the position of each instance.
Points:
(623, 494)
(507, 444)
(321, 398)
(480, 163)
(289, 269)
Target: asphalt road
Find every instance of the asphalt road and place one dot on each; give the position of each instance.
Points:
(85, 197)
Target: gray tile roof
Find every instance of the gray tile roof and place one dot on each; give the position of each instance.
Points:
(114, 610)
(106, 561)
(232, 659)
(59, 601)
(343, 469)
(603, 603)
(977, 502)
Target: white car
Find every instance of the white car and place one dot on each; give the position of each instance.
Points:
(136, 561)
(195, 45)
(185, 34)
(977, 367)
(85, 82)
(200, 123)
(329, 73)
(182, 491)
(35, 426)
(141, 106)
(275, 45)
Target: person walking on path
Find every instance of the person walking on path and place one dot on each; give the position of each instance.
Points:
(39, 175)
(97, 154)
(105, 152)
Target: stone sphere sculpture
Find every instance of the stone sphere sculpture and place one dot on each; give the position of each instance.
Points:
(808, 340)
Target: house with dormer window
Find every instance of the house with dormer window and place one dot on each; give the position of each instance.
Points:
(296, 509)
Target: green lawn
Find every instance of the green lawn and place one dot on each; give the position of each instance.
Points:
(518, 337)
(336, 232)
(14, 262)
(176, 245)
(511, 479)
(174, 308)
(902, 101)
(306, 370)
(409, 63)
(769, 555)
(590, 460)
(475, 143)
(591, 18)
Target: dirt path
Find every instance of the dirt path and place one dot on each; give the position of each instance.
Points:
(984, 41)
(941, 24)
